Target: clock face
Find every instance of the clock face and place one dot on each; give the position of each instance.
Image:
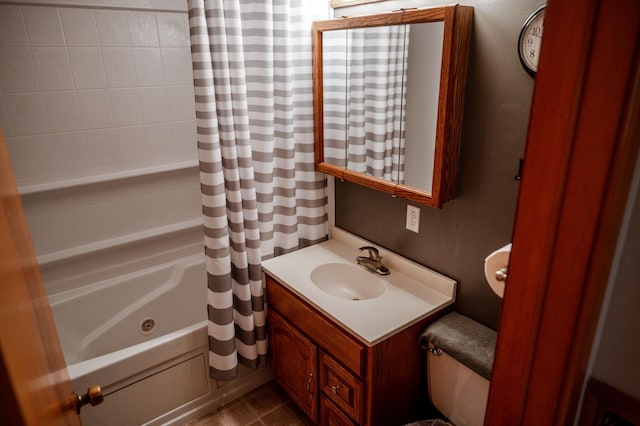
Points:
(530, 41)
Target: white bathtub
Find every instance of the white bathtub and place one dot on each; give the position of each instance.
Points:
(143, 338)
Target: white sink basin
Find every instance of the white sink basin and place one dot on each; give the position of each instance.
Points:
(347, 281)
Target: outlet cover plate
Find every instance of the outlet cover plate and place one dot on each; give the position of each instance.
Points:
(413, 218)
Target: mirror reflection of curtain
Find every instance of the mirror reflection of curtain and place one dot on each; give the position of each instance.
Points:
(334, 70)
(377, 70)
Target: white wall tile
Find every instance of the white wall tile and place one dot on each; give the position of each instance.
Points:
(17, 71)
(181, 203)
(177, 65)
(132, 144)
(125, 104)
(123, 217)
(12, 28)
(79, 227)
(14, 157)
(38, 228)
(35, 155)
(73, 227)
(119, 67)
(53, 68)
(95, 109)
(5, 123)
(185, 18)
(26, 113)
(185, 139)
(143, 29)
(154, 104)
(103, 148)
(149, 70)
(172, 29)
(44, 27)
(159, 140)
(87, 67)
(80, 27)
(70, 151)
(112, 28)
(62, 111)
(181, 102)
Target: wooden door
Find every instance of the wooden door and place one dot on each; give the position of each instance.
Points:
(34, 383)
(294, 364)
(582, 146)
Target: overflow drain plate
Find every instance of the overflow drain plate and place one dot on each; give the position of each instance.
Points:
(148, 326)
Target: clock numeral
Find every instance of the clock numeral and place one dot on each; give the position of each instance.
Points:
(532, 53)
(536, 31)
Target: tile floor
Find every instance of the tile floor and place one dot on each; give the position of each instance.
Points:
(267, 405)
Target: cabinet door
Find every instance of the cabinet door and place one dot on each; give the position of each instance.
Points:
(330, 415)
(294, 364)
(341, 387)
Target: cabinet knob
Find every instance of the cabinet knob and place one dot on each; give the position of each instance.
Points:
(335, 388)
(94, 396)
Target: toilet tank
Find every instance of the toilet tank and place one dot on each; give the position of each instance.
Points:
(456, 391)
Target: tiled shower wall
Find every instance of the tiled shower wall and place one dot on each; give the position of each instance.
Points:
(90, 90)
(97, 110)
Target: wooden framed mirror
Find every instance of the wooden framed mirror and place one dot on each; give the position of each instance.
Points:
(388, 99)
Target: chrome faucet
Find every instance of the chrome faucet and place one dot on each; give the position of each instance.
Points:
(373, 262)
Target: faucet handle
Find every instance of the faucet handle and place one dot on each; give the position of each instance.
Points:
(373, 252)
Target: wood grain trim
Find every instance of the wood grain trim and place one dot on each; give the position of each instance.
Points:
(318, 95)
(394, 393)
(446, 171)
(570, 199)
(331, 415)
(32, 360)
(303, 393)
(316, 326)
(332, 170)
(458, 21)
(349, 394)
(389, 18)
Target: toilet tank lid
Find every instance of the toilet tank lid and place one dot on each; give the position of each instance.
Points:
(465, 340)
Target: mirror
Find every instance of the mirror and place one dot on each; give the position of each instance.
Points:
(388, 92)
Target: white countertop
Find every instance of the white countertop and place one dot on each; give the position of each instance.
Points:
(413, 291)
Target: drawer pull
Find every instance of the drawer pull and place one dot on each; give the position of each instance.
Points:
(335, 388)
(309, 383)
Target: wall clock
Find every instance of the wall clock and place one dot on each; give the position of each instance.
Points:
(530, 40)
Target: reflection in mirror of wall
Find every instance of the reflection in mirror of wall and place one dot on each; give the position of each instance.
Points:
(388, 92)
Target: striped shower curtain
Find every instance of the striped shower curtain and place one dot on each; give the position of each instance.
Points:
(377, 68)
(364, 85)
(261, 196)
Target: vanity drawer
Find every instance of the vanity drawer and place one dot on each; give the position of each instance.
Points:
(318, 328)
(330, 415)
(341, 387)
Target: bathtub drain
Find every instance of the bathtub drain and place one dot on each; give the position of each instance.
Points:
(147, 326)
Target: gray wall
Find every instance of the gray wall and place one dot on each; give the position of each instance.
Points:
(456, 239)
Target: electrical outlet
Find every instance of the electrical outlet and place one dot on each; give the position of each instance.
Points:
(413, 218)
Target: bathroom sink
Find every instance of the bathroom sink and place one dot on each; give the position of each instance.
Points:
(347, 281)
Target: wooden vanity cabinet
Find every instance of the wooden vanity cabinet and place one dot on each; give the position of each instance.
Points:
(295, 366)
(332, 416)
(336, 378)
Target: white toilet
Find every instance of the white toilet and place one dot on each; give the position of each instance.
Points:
(458, 380)
(455, 390)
